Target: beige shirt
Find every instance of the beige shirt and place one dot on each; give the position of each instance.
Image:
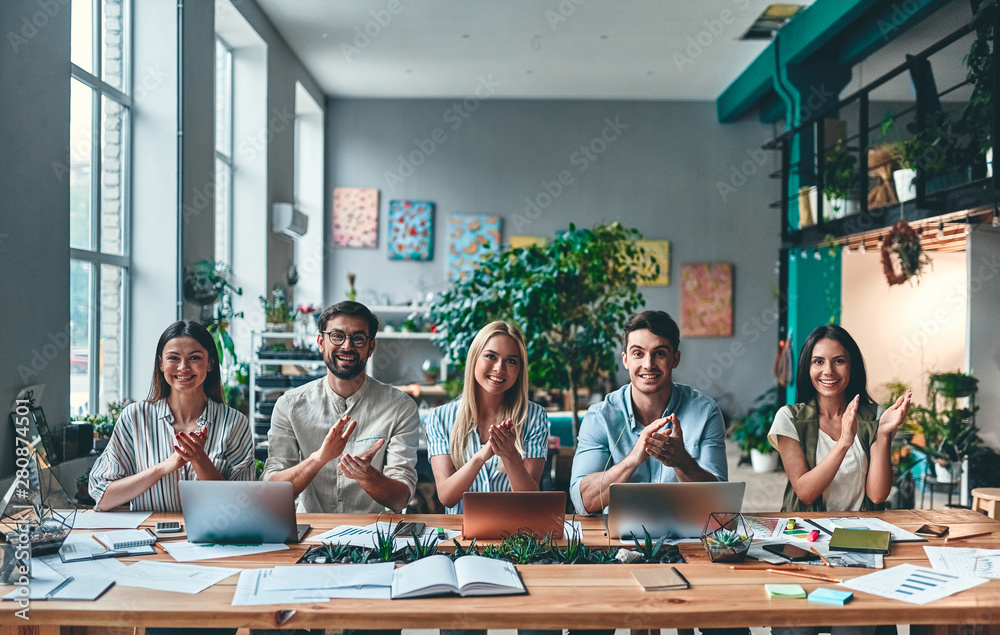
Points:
(846, 491)
(303, 416)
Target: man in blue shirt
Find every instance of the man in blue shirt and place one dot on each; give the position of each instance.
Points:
(650, 430)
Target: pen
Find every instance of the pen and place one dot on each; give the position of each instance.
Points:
(681, 576)
(818, 526)
(811, 576)
(59, 587)
(982, 533)
(825, 561)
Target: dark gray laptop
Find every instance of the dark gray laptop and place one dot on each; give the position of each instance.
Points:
(240, 512)
(677, 510)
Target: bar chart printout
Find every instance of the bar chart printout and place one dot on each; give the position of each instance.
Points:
(913, 584)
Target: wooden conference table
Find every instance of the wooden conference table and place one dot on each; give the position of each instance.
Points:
(560, 596)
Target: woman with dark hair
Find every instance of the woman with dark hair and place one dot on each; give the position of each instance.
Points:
(182, 431)
(833, 443)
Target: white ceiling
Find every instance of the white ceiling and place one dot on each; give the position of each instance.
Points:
(536, 49)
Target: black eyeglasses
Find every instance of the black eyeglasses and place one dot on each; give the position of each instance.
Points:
(358, 340)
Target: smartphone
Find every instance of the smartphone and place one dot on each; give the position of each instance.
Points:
(791, 552)
(168, 526)
(407, 529)
(932, 531)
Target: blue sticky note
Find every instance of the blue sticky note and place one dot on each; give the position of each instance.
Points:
(831, 596)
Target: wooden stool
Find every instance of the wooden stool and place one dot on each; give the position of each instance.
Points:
(985, 499)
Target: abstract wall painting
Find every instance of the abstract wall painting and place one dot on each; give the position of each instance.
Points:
(656, 252)
(411, 230)
(355, 216)
(471, 238)
(707, 299)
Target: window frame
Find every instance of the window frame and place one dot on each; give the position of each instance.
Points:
(227, 159)
(95, 256)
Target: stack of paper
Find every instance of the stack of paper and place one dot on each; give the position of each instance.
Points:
(785, 591)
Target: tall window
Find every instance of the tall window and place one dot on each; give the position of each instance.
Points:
(99, 162)
(223, 152)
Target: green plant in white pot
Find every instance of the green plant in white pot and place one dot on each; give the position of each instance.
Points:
(750, 432)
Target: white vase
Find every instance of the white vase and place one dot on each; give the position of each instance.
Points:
(763, 463)
(949, 474)
(832, 208)
(906, 184)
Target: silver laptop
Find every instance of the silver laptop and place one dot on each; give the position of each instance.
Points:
(240, 512)
(677, 510)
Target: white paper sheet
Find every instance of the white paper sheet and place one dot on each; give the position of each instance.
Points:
(249, 592)
(913, 584)
(103, 568)
(171, 576)
(81, 547)
(109, 520)
(965, 561)
(356, 537)
(49, 584)
(328, 576)
(184, 551)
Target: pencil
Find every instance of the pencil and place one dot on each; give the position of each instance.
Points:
(825, 561)
(982, 533)
(811, 576)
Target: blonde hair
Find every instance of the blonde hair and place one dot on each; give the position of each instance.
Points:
(515, 399)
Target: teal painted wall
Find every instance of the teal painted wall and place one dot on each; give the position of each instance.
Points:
(813, 295)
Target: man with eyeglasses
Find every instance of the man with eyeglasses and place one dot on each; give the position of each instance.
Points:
(346, 442)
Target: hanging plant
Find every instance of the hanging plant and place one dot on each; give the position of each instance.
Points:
(903, 243)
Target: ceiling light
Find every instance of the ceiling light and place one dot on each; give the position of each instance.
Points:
(861, 247)
(996, 218)
(770, 21)
(940, 232)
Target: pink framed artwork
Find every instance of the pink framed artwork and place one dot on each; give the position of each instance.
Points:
(355, 216)
(707, 299)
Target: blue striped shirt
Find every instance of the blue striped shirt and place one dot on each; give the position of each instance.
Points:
(440, 423)
(144, 436)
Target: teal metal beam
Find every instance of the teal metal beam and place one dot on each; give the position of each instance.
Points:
(854, 29)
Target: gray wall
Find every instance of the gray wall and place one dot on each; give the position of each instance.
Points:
(661, 173)
(34, 205)
(983, 344)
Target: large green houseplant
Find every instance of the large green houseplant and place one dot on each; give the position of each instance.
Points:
(750, 430)
(949, 430)
(570, 297)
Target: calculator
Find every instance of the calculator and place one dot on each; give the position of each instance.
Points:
(168, 526)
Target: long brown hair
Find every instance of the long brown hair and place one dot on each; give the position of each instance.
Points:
(515, 399)
(160, 389)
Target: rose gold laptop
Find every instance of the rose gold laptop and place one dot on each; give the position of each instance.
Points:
(493, 515)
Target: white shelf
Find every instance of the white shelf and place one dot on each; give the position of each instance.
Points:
(404, 335)
(278, 335)
(294, 362)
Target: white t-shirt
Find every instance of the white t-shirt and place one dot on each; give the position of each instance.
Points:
(847, 490)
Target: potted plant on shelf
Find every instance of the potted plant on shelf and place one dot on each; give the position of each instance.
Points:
(277, 311)
(949, 432)
(750, 432)
(840, 182)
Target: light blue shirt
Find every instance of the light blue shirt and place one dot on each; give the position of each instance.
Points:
(609, 431)
(490, 478)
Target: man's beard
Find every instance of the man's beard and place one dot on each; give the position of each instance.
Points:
(341, 371)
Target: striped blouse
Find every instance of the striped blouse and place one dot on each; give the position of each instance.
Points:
(440, 423)
(144, 436)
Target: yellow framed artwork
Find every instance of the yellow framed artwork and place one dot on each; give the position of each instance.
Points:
(658, 252)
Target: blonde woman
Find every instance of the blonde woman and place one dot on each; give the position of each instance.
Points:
(492, 439)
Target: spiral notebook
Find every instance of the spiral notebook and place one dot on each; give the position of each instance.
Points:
(125, 538)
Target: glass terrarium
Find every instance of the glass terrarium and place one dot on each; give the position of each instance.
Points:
(37, 512)
(727, 537)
